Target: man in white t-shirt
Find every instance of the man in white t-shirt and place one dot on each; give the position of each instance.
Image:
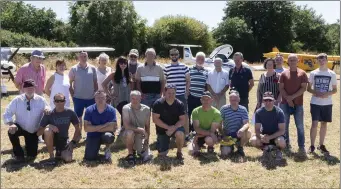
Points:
(218, 84)
(322, 84)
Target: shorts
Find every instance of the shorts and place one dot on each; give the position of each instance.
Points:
(183, 99)
(138, 141)
(321, 113)
(272, 141)
(80, 104)
(59, 142)
(163, 140)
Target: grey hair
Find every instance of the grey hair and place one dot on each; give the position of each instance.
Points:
(135, 93)
(103, 56)
(218, 59)
(200, 54)
(150, 50)
(293, 55)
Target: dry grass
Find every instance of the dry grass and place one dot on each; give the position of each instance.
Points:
(209, 171)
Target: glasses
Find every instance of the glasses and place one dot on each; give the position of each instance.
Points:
(122, 63)
(59, 101)
(267, 100)
(28, 106)
(132, 56)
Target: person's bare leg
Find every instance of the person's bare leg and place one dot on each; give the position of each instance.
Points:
(256, 142)
(323, 132)
(313, 132)
(186, 126)
(48, 136)
(209, 141)
(280, 143)
(180, 140)
(129, 139)
(245, 138)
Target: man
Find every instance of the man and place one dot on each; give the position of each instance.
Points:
(241, 79)
(198, 78)
(136, 120)
(28, 109)
(100, 125)
(150, 79)
(55, 129)
(293, 84)
(34, 70)
(169, 118)
(206, 121)
(178, 74)
(133, 64)
(235, 124)
(218, 83)
(83, 85)
(269, 127)
(322, 84)
(279, 63)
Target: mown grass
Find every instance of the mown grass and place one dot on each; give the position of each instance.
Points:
(205, 172)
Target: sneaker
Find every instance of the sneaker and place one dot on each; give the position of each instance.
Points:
(179, 156)
(323, 150)
(311, 149)
(139, 158)
(210, 149)
(40, 139)
(130, 159)
(302, 152)
(278, 155)
(107, 154)
(58, 154)
(240, 151)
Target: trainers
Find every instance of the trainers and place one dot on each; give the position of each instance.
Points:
(323, 149)
(240, 151)
(311, 149)
(40, 139)
(179, 155)
(130, 159)
(107, 154)
(210, 149)
(279, 155)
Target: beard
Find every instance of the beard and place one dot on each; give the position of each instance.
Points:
(175, 59)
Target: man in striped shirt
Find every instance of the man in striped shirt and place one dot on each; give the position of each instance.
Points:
(198, 77)
(235, 124)
(178, 74)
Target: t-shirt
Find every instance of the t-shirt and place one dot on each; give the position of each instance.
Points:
(198, 81)
(240, 80)
(233, 119)
(292, 83)
(323, 81)
(137, 118)
(176, 74)
(150, 78)
(84, 78)
(269, 119)
(280, 70)
(169, 114)
(95, 118)
(61, 120)
(206, 118)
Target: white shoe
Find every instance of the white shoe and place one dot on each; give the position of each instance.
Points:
(40, 139)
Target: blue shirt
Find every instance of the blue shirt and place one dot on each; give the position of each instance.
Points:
(198, 81)
(95, 118)
(233, 119)
(269, 119)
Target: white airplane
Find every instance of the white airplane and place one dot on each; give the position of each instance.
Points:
(223, 52)
(8, 67)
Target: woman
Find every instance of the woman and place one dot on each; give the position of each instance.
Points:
(58, 83)
(121, 84)
(269, 81)
(102, 71)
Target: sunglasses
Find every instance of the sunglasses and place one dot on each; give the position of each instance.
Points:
(174, 54)
(28, 106)
(267, 100)
(122, 63)
(132, 56)
(59, 101)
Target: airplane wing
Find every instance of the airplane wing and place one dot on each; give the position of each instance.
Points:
(64, 49)
(183, 45)
(223, 49)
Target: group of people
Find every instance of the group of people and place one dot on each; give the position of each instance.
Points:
(182, 102)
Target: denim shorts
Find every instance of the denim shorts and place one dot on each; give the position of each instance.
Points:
(162, 141)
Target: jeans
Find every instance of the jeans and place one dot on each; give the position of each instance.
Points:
(93, 143)
(31, 142)
(298, 116)
(150, 98)
(245, 102)
(193, 102)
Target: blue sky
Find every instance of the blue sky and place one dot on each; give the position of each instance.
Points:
(209, 12)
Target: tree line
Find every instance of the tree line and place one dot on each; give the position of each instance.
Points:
(252, 27)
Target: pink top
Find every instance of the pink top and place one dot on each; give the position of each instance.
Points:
(27, 71)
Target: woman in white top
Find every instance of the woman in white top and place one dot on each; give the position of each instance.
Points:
(103, 70)
(58, 83)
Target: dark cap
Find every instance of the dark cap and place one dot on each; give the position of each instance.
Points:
(207, 93)
(38, 53)
(29, 83)
(268, 95)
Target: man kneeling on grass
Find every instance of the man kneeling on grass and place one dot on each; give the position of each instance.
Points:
(269, 127)
(136, 121)
(100, 125)
(235, 125)
(206, 121)
(169, 118)
(55, 129)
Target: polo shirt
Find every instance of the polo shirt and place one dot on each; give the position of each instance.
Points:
(218, 80)
(198, 81)
(150, 78)
(240, 80)
(84, 78)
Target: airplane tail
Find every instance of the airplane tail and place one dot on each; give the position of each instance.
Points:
(275, 49)
(187, 53)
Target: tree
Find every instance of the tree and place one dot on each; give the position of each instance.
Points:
(181, 30)
(333, 36)
(107, 23)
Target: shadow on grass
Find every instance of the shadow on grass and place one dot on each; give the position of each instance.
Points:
(166, 163)
(100, 160)
(328, 159)
(270, 163)
(12, 165)
(296, 156)
(207, 158)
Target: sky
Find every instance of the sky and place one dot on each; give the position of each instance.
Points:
(209, 12)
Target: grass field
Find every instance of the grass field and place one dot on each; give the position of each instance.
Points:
(205, 172)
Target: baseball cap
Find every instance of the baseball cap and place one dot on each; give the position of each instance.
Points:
(207, 93)
(134, 52)
(38, 53)
(29, 83)
(170, 86)
(268, 95)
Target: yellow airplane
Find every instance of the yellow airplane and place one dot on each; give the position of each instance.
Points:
(307, 62)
